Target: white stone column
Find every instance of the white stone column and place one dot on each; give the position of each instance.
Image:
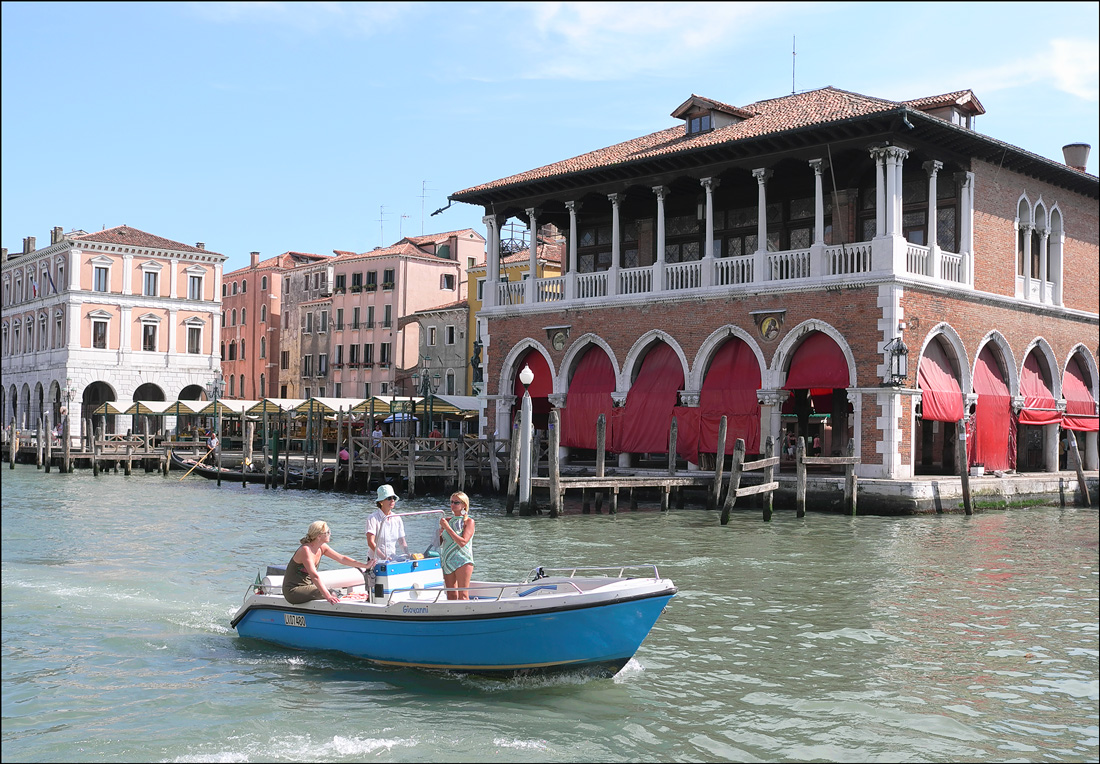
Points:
(125, 329)
(218, 283)
(72, 320)
(1058, 266)
(1028, 228)
(73, 265)
(932, 167)
(659, 260)
(771, 416)
(492, 262)
(762, 175)
(1044, 238)
(616, 246)
(571, 276)
(707, 263)
(174, 333)
(879, 155)
(817, 249)
(893, 190)
(532, 256)
(128, 275)
(966, 226)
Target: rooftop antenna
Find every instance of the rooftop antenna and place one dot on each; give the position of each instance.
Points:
(381, 219)
(793, 54)
(401, 226)
(423, 195)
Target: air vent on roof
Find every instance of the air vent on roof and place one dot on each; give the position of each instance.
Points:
(1077, 155)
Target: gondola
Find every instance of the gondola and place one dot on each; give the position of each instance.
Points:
(252, 473)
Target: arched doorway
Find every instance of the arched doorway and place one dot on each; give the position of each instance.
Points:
(818, 408)
(589, 395)
(94, 395)
(941, 409)
(541, 388)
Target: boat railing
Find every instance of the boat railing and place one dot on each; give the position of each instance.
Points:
(544, 572)
(477, 591)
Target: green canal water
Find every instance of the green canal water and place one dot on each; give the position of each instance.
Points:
(828, 638)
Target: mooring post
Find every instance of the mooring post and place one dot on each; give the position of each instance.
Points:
(850, 479)
(735, 479)
(13, 445)
(513, 469)
(128, 468)
(49, 442)
(964, 467)
(1081, 484)
(38, 446)
(95, 450)
(556, 494)
(411, 492)
(601, 456)
(800, 478)
(768, 497)
(494, 469)
(719, 463)
(66, 446)
(267, 451)
(664, 497)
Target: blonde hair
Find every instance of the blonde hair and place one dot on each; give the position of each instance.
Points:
(463, 498)
(315, 530)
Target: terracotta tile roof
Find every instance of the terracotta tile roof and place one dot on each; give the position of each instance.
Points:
(958, 98)
(800, 110)
(132, 237)
(547, 253)
(436, 237)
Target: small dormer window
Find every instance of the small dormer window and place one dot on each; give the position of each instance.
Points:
(699, 124)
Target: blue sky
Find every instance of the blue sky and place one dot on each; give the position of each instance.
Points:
(321, 126)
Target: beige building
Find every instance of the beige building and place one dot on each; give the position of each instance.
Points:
(115, 315)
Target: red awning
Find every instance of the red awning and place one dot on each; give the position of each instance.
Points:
(1080, 406)
(994, 442)
(540, 389)
(1039, 407)
(730, 389)
(589, 396)
(941, 397)
(643, 425)
(818, 362)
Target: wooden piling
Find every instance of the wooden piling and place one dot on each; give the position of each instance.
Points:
(267, 451)
(513, 471)
(49, 442)
(128, 466)
(734, 479)
(460, 447)
(494, 469)
(66, 446)
(767, 499)
(13, 445)
(95, 452)
(556, 493)
(719, 462)
(38, 446)
(964, 467)
(411, 490)
(850, 480)
(800, 477)
(1081, 484)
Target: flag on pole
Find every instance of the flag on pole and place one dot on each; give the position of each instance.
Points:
(34, 286)
(52, 284)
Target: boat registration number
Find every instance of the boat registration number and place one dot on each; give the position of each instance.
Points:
(292, 619)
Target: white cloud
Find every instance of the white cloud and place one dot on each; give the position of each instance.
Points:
(1068, 64)
(360, 18)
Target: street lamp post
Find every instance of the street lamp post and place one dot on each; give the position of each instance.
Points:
(70, 391)
(427, 384)
(526, 377)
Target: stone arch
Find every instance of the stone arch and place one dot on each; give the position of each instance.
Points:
(638, 352)
(1024, 214)
(1084, 357)
(710, 346)
(780, 364)
(1046, 352)
(24, 414)
(955, 348)
(575, 353)
(1007, 357)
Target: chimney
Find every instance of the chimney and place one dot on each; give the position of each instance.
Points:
(200, 245)
(28, 244)
(1077, 155)
(4, 254)
(255, 259)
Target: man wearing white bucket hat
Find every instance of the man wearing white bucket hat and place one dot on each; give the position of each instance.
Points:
(385, 531)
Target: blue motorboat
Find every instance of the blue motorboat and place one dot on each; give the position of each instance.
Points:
(585, 619)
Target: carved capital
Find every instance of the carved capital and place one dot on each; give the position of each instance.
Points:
(557, 400)
(819, 165)
(618, 400)
(932, 166)
(661, 191)
(771, 397)
(689, 398)
(710, 183)
(762, 175)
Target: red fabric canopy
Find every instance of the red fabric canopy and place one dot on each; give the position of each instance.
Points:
(589, 396)
(730, 389)
(1039, 407)
(1080, 406)
(994, 443)
(941, 396)
(643, 425)
(818, 362)
(541, 387)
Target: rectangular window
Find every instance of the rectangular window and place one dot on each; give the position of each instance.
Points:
(284, 359)
(99, 335)
(101, 284)
(339, 359)
(194, 339)
(368, 353)
(355, 317)
(339, 318)
(384, 353)
(337, 392)
(387, 278)
(387, 313)
(448, 282)
(357, 281)
(370, 316)
(353, 355)
(324, 322)
(150, 284)
(341, 282)
(366, 389)
(431, 335)
(481, 290)
(322, 364)
(309, 323)
(307, 366)
(149, 337)
(372, 280)
(194, 288)
(450, 330)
